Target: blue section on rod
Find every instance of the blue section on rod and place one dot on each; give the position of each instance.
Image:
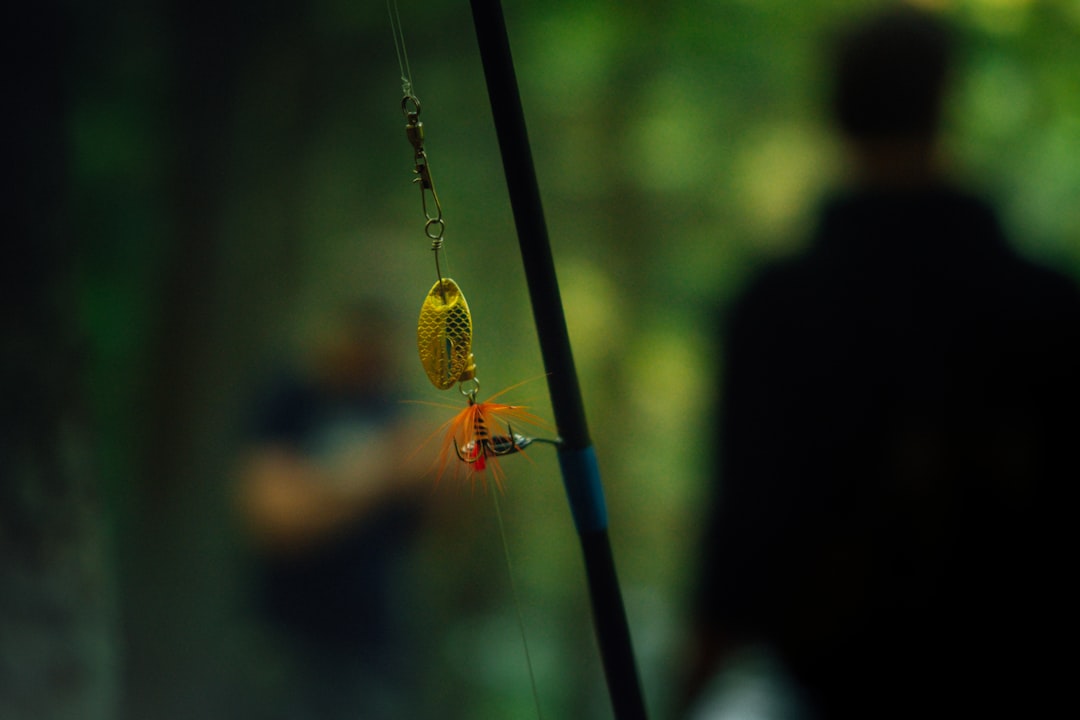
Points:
(581, 476)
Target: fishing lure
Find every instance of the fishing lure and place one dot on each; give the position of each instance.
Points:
(482, 433)
(475, 436)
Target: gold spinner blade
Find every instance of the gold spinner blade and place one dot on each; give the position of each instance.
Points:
(444, 336)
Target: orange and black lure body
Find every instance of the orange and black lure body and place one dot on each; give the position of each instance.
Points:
(482, 433)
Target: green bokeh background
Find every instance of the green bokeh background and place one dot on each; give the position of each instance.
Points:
(240, 169)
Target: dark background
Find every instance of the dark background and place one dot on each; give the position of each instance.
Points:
(199, 184)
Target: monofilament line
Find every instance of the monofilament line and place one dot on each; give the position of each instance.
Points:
(517, 602)
(399, 47)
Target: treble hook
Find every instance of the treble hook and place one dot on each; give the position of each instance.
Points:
(492, 446)
(498, 446)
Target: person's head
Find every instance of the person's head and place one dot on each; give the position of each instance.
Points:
(890, 72)
(355, 350)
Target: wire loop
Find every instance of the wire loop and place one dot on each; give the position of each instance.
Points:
(440, 228)
(471, 393)
(405, 106)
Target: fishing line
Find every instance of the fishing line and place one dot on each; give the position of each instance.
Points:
(399, 47)
(435, 225)
(517, 602)
(444, 341)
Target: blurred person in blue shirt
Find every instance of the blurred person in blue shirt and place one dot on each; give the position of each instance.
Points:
(331, 501)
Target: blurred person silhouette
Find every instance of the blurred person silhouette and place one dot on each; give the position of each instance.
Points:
(331, 502)
(899, 433)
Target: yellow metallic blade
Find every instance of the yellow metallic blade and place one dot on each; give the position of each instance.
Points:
(444, 336)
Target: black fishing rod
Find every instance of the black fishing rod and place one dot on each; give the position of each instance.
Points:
(577, 458)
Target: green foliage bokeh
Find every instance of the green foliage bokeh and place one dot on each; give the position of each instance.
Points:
(224, 211)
